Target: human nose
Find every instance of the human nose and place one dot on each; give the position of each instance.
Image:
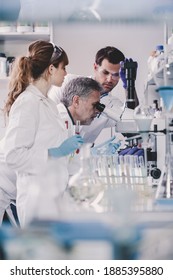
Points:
(109, 77)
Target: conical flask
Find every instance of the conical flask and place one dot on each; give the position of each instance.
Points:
(85, 186)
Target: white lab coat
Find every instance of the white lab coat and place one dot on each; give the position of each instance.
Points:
(7, 189)
(74, 158)
(34, 126)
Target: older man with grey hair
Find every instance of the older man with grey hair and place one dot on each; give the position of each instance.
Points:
(79, 99)
(78, 106)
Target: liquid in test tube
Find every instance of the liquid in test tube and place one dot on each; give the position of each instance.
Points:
(77, 131)
(77, 127)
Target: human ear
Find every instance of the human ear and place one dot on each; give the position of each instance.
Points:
(95, 66)
(50, 69)
(76, 100)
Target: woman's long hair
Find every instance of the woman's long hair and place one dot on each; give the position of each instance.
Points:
(41, 54)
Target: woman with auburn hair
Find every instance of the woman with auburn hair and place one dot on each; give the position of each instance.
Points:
(36, 138)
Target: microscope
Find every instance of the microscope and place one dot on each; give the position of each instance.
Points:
(128, 125)
(130, 69)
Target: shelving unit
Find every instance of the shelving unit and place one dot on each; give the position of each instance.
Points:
(24, 36)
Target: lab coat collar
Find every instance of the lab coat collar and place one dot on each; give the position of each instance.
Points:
(104, 94)
(70, 116)
(36, 91)
(47, 102)
(64, 111)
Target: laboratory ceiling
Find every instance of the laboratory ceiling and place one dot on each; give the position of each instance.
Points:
(87, 10)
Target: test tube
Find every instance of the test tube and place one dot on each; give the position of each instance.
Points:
(77, 127)
(77, 131)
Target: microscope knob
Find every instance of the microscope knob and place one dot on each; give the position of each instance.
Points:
(155, 173)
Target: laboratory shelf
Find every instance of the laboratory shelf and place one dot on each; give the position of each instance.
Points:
(24, 36)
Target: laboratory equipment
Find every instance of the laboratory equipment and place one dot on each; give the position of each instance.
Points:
(143, 118)
(143, 125)
(130, 68)
(164, 74)
(166, 92)
(85, 186)
(153, 60)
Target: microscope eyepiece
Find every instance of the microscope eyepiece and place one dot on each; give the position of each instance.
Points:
(100, 107)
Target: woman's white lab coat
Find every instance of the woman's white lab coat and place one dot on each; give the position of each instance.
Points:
(34, 126)
(7, 189)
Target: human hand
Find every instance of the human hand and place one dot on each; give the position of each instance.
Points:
(67, 147)
(106, 148)
(123, 74)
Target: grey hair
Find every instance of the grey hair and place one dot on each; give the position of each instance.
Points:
(81, 86)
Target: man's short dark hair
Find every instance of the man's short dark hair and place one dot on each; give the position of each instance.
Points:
(112, 54)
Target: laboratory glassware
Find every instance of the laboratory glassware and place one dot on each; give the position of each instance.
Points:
(85, 186)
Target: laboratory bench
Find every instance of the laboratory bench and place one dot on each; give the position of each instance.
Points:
(87, 235)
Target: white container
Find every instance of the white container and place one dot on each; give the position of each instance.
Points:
(3, 65)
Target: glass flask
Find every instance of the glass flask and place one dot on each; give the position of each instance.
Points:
(85, 186)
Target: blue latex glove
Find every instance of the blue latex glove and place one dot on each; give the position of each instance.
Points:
(106, 148)
(67, 147)
(122, 74)
(132, 151)
(112, 148)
